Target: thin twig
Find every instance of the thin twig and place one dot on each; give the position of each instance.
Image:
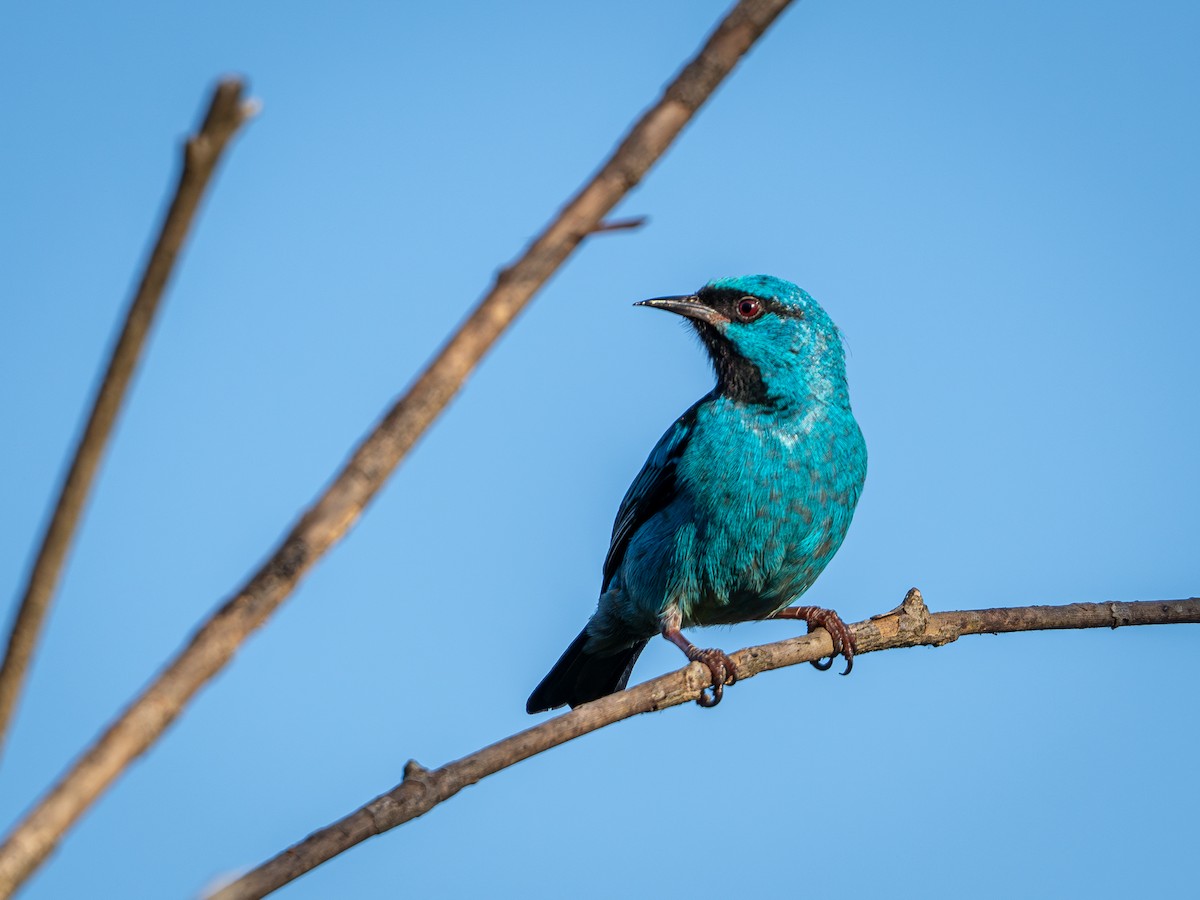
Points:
(226, 114)
(620, 224)
(332, 514)
(908, 625)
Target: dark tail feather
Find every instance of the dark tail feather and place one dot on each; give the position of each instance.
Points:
(580, 676)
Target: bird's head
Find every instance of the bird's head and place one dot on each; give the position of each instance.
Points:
(770, 342)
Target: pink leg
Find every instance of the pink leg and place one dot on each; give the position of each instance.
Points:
(842, 636)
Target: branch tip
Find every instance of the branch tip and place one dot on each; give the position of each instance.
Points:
(250, 108)
(413, 769)
(630, 224)
(912, 607)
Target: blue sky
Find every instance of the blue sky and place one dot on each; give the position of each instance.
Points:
(997, 202)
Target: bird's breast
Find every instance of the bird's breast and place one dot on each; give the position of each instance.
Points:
(771, 498)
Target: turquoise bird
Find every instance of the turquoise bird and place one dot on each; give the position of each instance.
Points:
(741, 504)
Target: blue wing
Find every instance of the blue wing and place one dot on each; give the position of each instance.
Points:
(652, 491)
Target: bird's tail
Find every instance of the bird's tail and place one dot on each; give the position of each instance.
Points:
(580, 676)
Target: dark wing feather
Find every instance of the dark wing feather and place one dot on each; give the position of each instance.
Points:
(652, 490)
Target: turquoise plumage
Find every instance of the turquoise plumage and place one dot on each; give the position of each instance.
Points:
(741, 504)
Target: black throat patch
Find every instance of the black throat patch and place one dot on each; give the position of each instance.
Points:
(737, 377)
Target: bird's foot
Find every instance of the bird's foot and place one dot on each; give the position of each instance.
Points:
(720, 667)
(839, 633)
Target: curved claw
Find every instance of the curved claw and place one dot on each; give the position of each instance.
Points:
(721, 670)
(839, 633)
(843, 641)
(707, 701)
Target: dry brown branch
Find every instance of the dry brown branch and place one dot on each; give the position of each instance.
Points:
(332, 514)
(226, 114)
(908, 625)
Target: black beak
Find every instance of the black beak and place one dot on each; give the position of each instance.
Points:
(690, 306)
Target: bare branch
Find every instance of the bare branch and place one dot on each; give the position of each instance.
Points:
(226, 114)
(908, 625)
(332, 514)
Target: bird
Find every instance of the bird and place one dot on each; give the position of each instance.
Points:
(742, 502)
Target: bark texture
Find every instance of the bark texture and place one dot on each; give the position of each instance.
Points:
(910, 624)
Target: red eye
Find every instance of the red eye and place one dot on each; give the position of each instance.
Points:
(748, 309)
